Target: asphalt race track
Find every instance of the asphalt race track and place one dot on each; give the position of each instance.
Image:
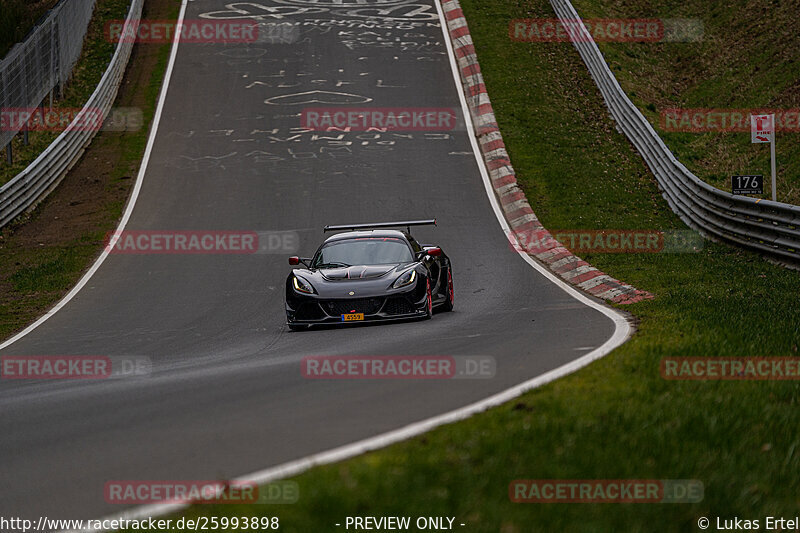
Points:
(226, 396)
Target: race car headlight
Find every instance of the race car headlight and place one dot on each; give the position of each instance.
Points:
(406, 279)
(301, 285)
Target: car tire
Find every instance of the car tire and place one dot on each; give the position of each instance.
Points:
(448, 303)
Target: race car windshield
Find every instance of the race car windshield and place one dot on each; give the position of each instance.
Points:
(369, 251)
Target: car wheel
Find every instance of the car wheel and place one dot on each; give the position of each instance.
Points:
(428, 300)
(448, 304)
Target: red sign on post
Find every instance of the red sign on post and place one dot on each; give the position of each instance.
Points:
(762, 128)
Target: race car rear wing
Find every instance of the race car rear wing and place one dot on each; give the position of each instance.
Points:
(379, 225)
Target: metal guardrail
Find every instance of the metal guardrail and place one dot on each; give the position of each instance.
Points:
(45, 173)
(771, 228)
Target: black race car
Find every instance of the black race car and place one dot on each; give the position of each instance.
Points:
(369, 272)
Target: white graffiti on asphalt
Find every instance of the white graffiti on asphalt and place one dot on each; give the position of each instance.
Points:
(252, 10)
(317, 97)
(381, 10)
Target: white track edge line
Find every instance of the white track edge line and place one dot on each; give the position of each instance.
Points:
(622, 331)
(131, 201)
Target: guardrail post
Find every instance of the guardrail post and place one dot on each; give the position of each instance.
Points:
(772, 154)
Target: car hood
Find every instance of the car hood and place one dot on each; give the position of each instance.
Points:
(360, 272)
(364, 281)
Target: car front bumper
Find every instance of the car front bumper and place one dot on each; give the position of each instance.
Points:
(311, 310)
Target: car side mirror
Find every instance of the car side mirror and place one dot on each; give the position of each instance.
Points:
(294, 260)
(434, 252)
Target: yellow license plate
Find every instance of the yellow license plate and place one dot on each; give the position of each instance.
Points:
(352, 317)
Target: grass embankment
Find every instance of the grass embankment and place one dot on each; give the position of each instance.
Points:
(617, 418)
(94, 59)
(17, 17)
(749, 57)
(42, 255)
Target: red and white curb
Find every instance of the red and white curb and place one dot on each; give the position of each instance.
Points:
(518, 213)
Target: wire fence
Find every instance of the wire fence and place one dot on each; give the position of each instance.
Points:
(43, 61)
(44, 174)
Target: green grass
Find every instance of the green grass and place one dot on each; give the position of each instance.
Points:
(94, 59)
(34, 279)
(749, 57)
(616, 418)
